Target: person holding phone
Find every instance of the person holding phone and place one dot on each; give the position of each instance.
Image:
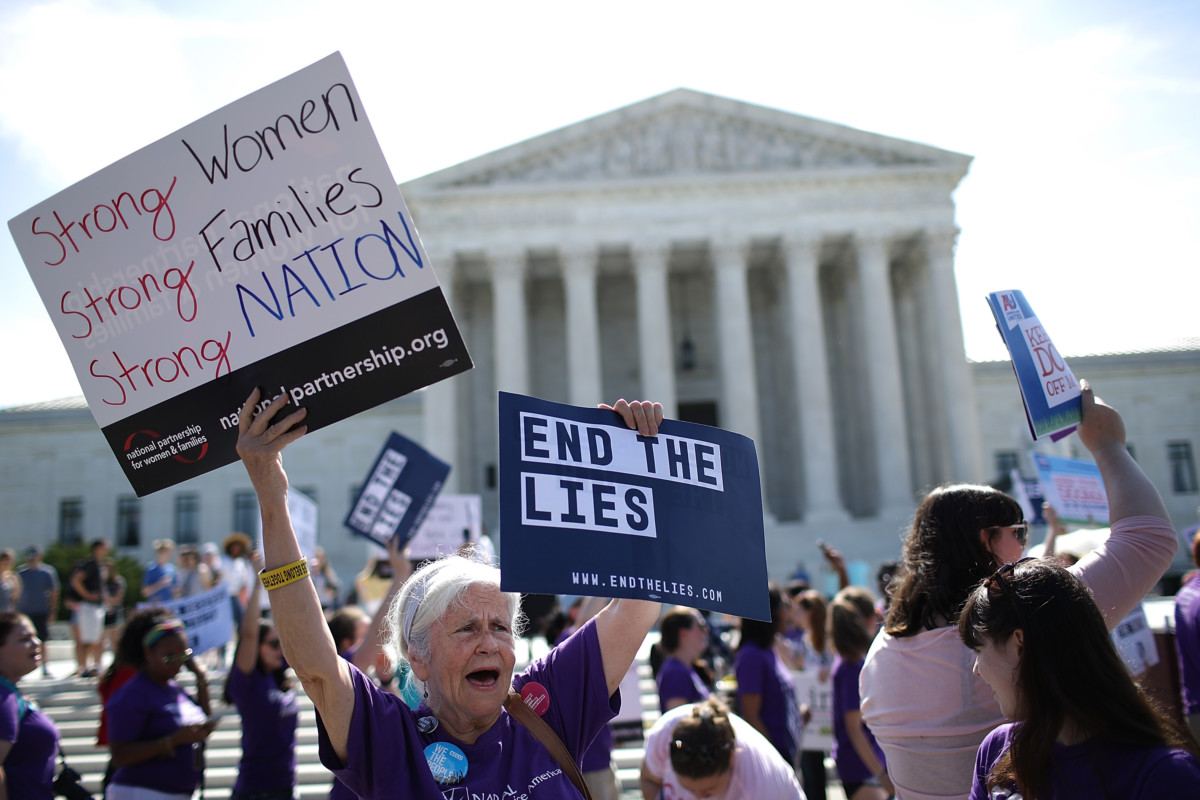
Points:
(155, 728)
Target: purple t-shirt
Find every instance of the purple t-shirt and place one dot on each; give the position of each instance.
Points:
(1187, 644)
(1097, 769)
(760, 672)
(387, 759)
(29, 767)
(850, 767)
(142, 710)
(677, 679)
(599, 755)
(269, 717)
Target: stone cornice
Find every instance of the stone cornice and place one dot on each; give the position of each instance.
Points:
(689, 133)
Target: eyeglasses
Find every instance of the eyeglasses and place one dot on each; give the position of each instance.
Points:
(1020, 531)
(178, 658)
(997, 580)
(273, 643)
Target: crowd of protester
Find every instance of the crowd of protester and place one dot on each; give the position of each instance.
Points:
(972, 672)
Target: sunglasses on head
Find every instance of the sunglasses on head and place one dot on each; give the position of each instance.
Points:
(997, 583)
(177, 658)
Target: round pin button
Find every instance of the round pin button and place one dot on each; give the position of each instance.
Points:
(427, 724)
(534, 695)
(447, 763)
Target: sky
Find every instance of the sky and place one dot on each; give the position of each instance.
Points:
(1082, 116)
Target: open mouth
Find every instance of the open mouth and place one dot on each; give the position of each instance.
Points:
(484, 678)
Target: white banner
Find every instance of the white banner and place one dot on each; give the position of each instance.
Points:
(207, 617)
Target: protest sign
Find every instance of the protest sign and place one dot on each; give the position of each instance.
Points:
(264, 245)
(398, 492)
(1074, 488)
(454, 519)
(817, 694)
(1134, 640)
(208, 618)
(627, 724)
(1049, 390)
(1028, 494)
(587, 506)
(303, 512)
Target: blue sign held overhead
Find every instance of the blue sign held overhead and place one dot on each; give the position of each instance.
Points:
(398, 492)
(589, 507)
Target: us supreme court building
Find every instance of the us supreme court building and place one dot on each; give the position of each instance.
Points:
(783, 277)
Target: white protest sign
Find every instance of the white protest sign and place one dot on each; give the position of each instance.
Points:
(264, 245)
(208, 618)
(452, 520)
(1074, 487)
(818, 696)
(1135, 642)
(303, 511)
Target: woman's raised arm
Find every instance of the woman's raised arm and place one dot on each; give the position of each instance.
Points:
(303, 632)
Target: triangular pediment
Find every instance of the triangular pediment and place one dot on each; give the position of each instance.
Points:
(685, 133)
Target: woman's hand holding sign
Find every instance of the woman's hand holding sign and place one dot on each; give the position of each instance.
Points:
(640, 415)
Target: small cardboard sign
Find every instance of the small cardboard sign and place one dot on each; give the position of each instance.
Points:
(398, 491)
(1049, 390)
(587, 506)
(264, 245)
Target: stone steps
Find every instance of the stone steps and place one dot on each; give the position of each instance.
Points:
(74, 706)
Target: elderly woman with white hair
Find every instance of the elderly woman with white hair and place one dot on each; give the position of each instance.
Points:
(457, 630)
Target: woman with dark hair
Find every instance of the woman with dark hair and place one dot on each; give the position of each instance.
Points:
(684, 639)
(860, 763)
(1082, 726)
(919, 698)
(258, 684)
(155, 728)
(702, 750)
(765, 692)
(28, 738)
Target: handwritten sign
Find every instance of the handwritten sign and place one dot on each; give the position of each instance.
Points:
(265, 245)
(1049, 390)
(587, 506)
(1074, 488)
(453, 520)
(398, 492)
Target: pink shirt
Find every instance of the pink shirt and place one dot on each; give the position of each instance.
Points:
(758, 769)
(930, 713)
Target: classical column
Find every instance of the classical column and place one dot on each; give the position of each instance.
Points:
(440, 402)
(510, 318)
(822, 499)
(883, 369)
(650, 264)
(583, 326)
(962, 417)
(735, 340)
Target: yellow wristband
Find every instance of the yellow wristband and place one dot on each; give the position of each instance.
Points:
(282, 576)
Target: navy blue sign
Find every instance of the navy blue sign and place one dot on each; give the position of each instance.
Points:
(589, 507)
(398, 492)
